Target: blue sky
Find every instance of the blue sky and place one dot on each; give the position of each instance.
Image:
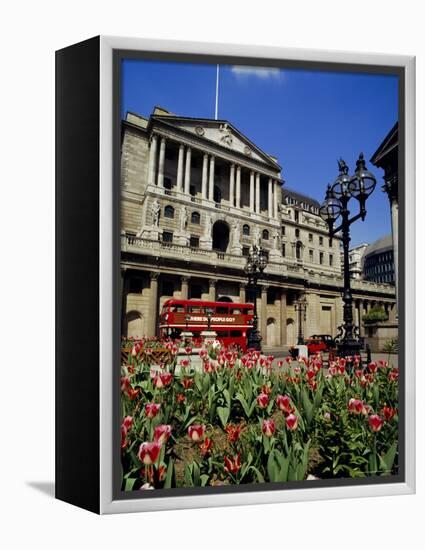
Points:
(308, 119)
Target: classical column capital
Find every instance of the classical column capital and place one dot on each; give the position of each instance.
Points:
(185, 279)
(154, 275)
(212, 282)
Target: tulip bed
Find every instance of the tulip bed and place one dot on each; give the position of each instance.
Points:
(249, 419)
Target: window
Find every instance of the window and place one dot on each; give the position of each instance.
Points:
(298, 250)
(330, 243)
(297, 216)
(192, 190)
(310, 253)
(195, 218)
(331, 260)
(245, 251)
(310, 237)
(266, 254)
(265, 235)
(321, 258)
(167, 183)
(167, 237)
(168, 211)
(217, 194)
(283, 230)
(245, 230)
(194, 241)
(283, 250)
(297, 233)
(321, 240)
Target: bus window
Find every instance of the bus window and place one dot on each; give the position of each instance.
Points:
(223, 334)
(195, 309)
(177, 309)
(235, 311)
(222, 309)
(235, 333)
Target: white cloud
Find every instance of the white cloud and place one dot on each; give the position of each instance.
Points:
(260, 72)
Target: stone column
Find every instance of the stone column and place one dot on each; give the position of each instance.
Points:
(283, 317)
(212, 283)
(205, 177)
(263, 313)
(232, 185)
(394, 225)
(242, 293)
(153, 304)
(187, 171)
(361, 313)
(152, 160)
(270, 198)
(257, 193)
(180, 168)
(392, 315)
(185, 288)
(211, 182)
(161, 163)
(251, 191)
(238, 187)
(276, 198)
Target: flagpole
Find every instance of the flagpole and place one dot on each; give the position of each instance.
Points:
(216, 91)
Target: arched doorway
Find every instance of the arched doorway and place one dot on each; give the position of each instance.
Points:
(290, 332)
(134, 324)
(225, 299)
(271, 336)
(220, 234)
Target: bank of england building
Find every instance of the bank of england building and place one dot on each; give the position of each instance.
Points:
(196, 195)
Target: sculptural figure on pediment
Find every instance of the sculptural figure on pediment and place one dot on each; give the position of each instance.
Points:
(156, 209)
(226, 138)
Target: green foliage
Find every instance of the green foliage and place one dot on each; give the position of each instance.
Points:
(375, 315)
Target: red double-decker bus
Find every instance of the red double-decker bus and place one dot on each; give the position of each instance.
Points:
(229, 320)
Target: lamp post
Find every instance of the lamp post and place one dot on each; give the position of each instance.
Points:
(336, 204)
(255, 265)
(301, 308)
(209, 312)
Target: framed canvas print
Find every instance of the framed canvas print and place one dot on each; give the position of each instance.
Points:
(235, 275)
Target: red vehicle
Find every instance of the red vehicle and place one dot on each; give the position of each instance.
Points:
(229, 320)
(319, 342)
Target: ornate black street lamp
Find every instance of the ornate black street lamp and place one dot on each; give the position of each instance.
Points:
(255, 265)
(359, 186)
(209, 313)
(301, 308)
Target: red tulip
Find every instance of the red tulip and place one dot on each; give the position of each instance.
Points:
(132, 393)
(263, 400)
(233, 432)
(162, 379)
(205, 446)
(393, 375)
(125, 383)
(310, 374)
(291, 422)
(162, 433)
(181, 398)
(152, 409)
(196, 432)
(388, 413)
(268, 428)
(127, 422)
(187, 383)
(149, 452)
(284, 403)
(355, 406)
(232, 464)
(373, 367)
(375, 422)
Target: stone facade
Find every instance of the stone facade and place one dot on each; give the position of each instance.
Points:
(196, 194)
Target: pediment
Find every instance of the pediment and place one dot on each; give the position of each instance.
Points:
(221, 133)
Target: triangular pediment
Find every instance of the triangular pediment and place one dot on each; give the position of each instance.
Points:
(221, 133)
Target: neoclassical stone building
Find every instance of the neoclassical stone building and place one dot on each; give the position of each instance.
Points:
(196, 194)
